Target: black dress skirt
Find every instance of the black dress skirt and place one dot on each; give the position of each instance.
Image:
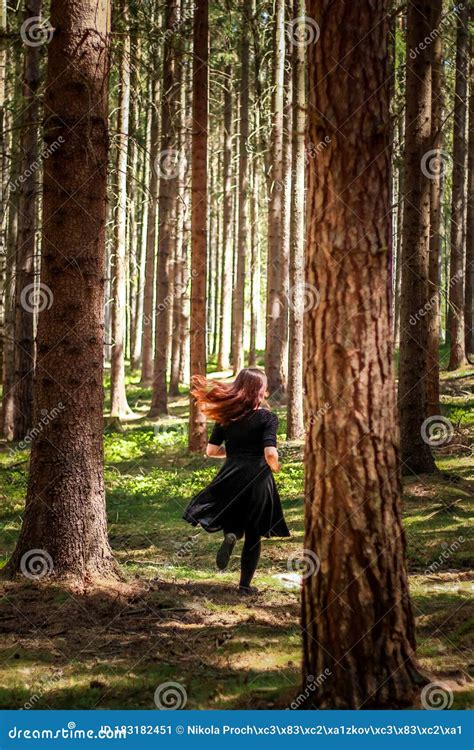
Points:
(243, 495)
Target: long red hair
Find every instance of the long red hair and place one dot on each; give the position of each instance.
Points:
(227, 402)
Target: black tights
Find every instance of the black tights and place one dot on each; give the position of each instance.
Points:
(250, 556)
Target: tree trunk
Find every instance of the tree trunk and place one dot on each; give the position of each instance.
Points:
(469, 292)
(415, 451)
(28, 299)
(64, 526)
(118, 397)
(243, 190)
(197, 420)
(274, 365)
(435, 242)
(295, 423)
(223, 359)
(168, 166)
(358, 631)
(148, 294)
(456, 333)
(255, 272)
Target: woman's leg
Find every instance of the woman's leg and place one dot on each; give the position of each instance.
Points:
(250, 557)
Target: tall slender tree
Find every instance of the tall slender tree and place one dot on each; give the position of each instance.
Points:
(295, 424)
(416, 453)
(64, 524)
(27, 300)
(197, 420)
(274, 364)
(435, 243)
(168, 165)
(118, 396)
(354, 549)
(223, 361)
(469, 294)
(456, 333)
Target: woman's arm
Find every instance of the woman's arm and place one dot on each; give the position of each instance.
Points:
(215, 451)
(271, 457)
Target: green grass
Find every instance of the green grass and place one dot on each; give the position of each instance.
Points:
(176, 619)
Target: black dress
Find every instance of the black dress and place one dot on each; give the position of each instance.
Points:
(243, 495)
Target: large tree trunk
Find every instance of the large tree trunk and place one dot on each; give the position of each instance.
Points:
(64, 526)
(416, 454)
(28, 300)
(223, 359)
(118, 396)
(274, 364)
(456, 333)
(432, 313)
(168, 165)
(295, 424)
(148, 293)
(358, 631)
(469, 292)
(197, 420)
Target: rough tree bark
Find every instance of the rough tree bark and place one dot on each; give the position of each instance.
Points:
(418, 166)
(223, 360)
(456, 333)
(27, 300)
(469, 293)
(295, 423)
(358, 631)
(64, 525)
(197, 420)
(118, 397)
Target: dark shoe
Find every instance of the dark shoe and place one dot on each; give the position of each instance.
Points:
(225, 550)
(248, 591)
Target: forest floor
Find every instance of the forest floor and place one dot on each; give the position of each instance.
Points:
(176, 619)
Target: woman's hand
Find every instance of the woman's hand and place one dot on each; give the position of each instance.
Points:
(215, 451)
(271, 457)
